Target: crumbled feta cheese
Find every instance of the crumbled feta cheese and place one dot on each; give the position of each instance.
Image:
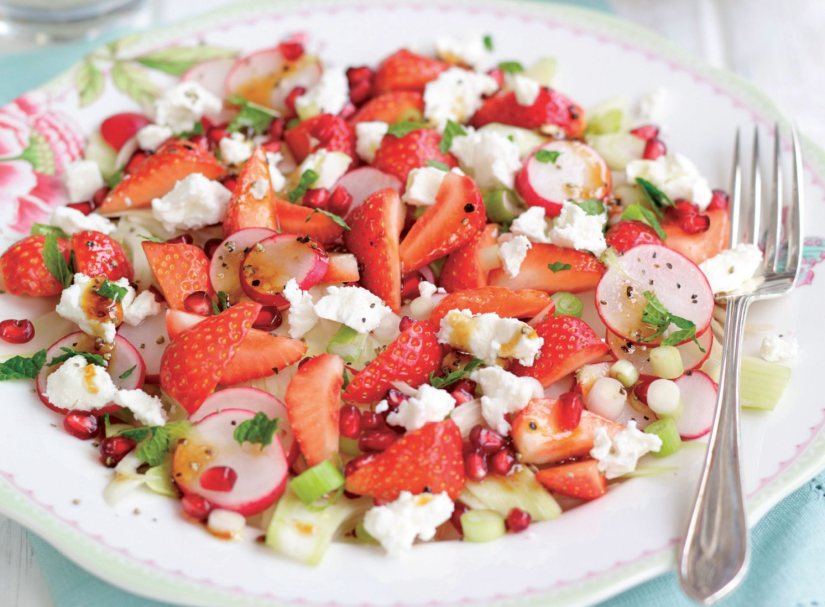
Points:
(235, 149)
(368, 136)
(183, 105)
(422, 186)
(148, 409)
(652, 107)
(428, 404)
(71, 307)
(532, 224)
(504, 393)
(225, 523)
(355, 307)
(275, 176)
(456, 95)
(195, 202)
(675, 175)
(733, 269)
(80, 386)
(778, 347)
(150, 137)
(490, 337)
(330, 167)
(328, 96)
(429, 295)
(469, 51)
(73, 221)
(382, 406)
(489, 157)
(397, 525)
(575, 229)
(619, 455)
(512, 250)
(302, 317)
(82, 179)
(526, 89)
(140, 308)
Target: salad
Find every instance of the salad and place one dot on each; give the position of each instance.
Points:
(433, 299)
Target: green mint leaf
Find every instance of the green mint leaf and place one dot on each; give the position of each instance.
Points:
(94, 359)
(558, 266)
(457, 375)
(293, 122)
(591, 207)
(656, 196)
(346, 379)
(154, 443)
(216, 309)
(150, 238)
(223, 301)
(636, 212)
(41, 229)
(659, 318)
(114, 292)
(488, 42)
(547, 155)
(438, 165)
(193, 132)
(308, 177)
(399, 129)
(22, 367)
(128, 372)
(511, 67)
(451, 131)
(55, 262)
(258, 430)
(335, 218)
(115, 178)
(252, 116)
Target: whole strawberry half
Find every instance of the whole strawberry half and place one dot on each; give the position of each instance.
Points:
(400, 155)
(296, 219)
(549, 108)
(323, 131)
(25, 273)
(625, 235)
(96, 254)
(552, 268)
(582, 480)
(406, 71)
(465, 267)
(248, 208)
(180, 269)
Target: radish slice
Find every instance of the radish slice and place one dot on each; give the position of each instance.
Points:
(639, 354)
(242, 478)
(362, 182)
(251, 69)
(698, 392)
(211, 75)
(224, 269)
(577, 173)
(150, 338)
(306, 73)
(125, 357)
(271, 263)
(678, 283)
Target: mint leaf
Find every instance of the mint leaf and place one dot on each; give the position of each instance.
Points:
(335, 218)
(252, 116)
(258, 430)
(128, 372)
(438, 165)
(223, 302)
(347, 379)
(655, 196)
(114, 292)
(150, 238)
(94, 359)
(659, 318)
(41, 229)
(511, 67)
(193, 132)
(451, 131)
(457, 375)
(55, 262)
(116, 177)
(155, 442)
(636, 212)
(547, 155)
(591, 207)
(399, 129)
(488, 42)
(558, 266)
(308, 177)
(22, 367)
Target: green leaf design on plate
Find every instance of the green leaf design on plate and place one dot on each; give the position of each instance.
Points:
(39, 154)
(176, 60)
(89, 82)
(134, 80)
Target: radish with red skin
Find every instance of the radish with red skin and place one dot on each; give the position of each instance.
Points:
(225, 264)
(150, 338)
(364, 181)
(117, 129)
(698, 394)
(211, 75)
(639, 354)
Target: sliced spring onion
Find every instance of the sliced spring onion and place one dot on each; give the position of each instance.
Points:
(761, 383)
(502, 205)
(666, 362)
(609, 121)
(348, 344)
(482, 525)
(316, 482)
(666, 430)
(567, 304)
(348, 446)
(625, 371)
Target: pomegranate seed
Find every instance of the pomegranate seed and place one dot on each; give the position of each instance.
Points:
(229, 183)
(461, 396)
(695, 224)
(358, 74)
(17, 331)
(272, 146)
(206, 124)
(113, 449)
(83, 207)
(654, 148)
(316, 198)
(276, 129)
(358, 462)
(81, 424)
(468, 385)
(640, 390)
(646, 132)
(340, 201)
(195, 507)
(371, 420)
(268, 319)
(349, 421)
(455, 518)
(292, 51)
(99, 196)
(211, 246)
(571, 406)
(219, 478)
(497, 75)
(719, 201)
(475, 465)
(376, 440)
(215, 134)
(360, 92)
(486, 440)
(289, 102)
(158, 295)
(409, 286)
(182, 239)
(395, 398)
(518, 520)
(502, 462)
(406, 323)
(198, 303)
(135, 161)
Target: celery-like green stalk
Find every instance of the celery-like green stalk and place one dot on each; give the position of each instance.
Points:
(482, 525)
(517, 490)
(761, 383)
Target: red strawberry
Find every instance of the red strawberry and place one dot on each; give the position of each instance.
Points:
(465, 268)
(400, 106)
(191, 366)
(25, 273)
(295, 219)
(537, 270)
(504, 302)
(704, 245)
(323, 131)
(246, 210)
(375, 227)
(410, 358)
(406, 71)
(425, 460)
(313, 400)
(96, 254)
(117, 129)
(158, 174)
(549, 108)
(180, 269)
(625, 235)
(400, 155)
(581, 480)
(457, 215)
(569, 343)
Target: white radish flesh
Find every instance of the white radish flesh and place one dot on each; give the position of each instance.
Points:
(211, 75)
(250, 69)
(362, 182)
(698, 395)
(150, 338)
(639, 354)
(224, 269)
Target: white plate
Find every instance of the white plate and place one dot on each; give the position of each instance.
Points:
(586, 555)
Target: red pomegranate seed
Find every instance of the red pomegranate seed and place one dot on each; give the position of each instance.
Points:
(182, 239)
(502, 462)
(654, 148)
(339, 201)
(272, 146)
(358, 74)
(518, 520)
(292, 51)
(719, 201)
(461, 396)
(215, 134)
(113, 449)
(268, 319)
(211, 246)
(376, 440)
(468, 385)
(99, 196)
(276, 129)
(475, 465)
(219, 478)
(646, 132)
(358, 462)
(571, 406)
(360, 92)
(229, 183)
(198, 303)
(83, 207)
(195, 507)
(455, 518)
(135, 161)
(316, 198)
(406, 323)
(395, 398)
(289, 102)
(642, 385)
(371, 420)
(688, 217)
(486, 440)
(409, 286)
(158, 295)
(695, 224)
(349, 421)
(16, 331)
(81, 424)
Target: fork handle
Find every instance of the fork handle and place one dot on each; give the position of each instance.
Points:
(715, 550)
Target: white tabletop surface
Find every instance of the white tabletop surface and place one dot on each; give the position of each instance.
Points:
(777, 45)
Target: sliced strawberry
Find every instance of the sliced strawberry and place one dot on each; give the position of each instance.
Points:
(323, 131)
(569, 343)
(537, 270)
(410, 358)
(295, 219)
(499, 300)
(251, 205)
(96, 254)
(25, 273)
(158, 174)
(465, 268)
(427, 460)
(375, 227)
(582, 480)
(400, 106)
(313, 400)
(549, 108)
(180, 269)
(400, 155)
(342, 267)
(539, 438)
(704, 245)
(406, 71)
(625, 235)
(193, 363)
(117, 129)
(457, 215)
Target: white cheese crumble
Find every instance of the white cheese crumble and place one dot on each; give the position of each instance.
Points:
(368, 136)
(137, 309)
(71, 307)
(183, 105)
(489, 157)
(470, 51)
(73, 221)
(397, 525)
(82, 179)
(80, 386)
(532, 224)
(423, 184)
(355, 307)
(504, 393)
(330, 167)
(195, 202)
(526, 89)
(150, 137)
(652, 108)
(619, 455)
(428, 404)
(277, 178)
(490, 337)
(328, 96)
(575, 229)
(775, 348)
(456, 95)
(302, 317)
(733, 270)
(428, 298)
(259, 189)
(675, 175)
(148, 409)
(235, 149)
(512, 251)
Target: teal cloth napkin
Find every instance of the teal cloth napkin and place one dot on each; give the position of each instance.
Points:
(788, 544)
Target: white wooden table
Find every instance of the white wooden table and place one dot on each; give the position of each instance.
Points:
(777, 45)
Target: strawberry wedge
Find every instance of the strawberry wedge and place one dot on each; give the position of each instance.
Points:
(499, 300)
(545, 268)
(251, 205)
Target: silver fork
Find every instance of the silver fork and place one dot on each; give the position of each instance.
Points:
(715, 552)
